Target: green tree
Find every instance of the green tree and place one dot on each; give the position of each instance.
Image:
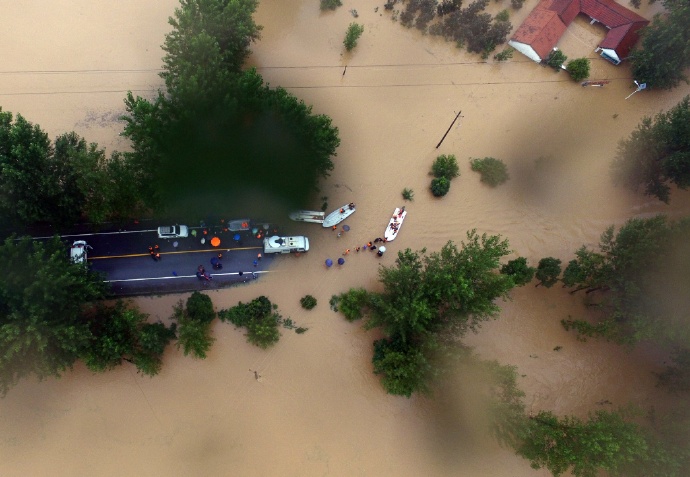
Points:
(403, 368)
(308, 302)
(578, 69)
(229, 26)
(548, 271)
(354, 31)
(656, 154)
(518, 269)
(606, 441)
(665, 48)
(638, 273)
(25, 179)
(493, 171)
(445, 166)
(122, 333)
(556, 59)
(200, 307)
(260, 319)
(330, 4)
(42, 298)
(506, 54)
(193, 334)
(440, 186)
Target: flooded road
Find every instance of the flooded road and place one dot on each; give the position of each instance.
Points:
(316, 408)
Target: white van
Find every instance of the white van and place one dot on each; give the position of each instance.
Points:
(278, 244)
(78, 253)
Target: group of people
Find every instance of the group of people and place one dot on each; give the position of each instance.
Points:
(154, 251)
(369, 245)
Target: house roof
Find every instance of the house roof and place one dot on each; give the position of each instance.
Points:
(541, 30)
(545, 25)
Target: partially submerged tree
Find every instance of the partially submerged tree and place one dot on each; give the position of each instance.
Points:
(578, 69)
(427, 303)
(194, 325)
(556, 59)
(657, 154)
(640, 276)
(548, 271)
(520, 272)
(354, 31)
(664, 53)
(43, 295)
(492, 171)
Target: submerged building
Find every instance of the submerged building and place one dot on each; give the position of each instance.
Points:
(544, 26)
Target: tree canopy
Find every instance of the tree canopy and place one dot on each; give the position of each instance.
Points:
(640, 276)
(656, 154)
(428, 302)
(42, 298)
(665, 48)
(216, 114)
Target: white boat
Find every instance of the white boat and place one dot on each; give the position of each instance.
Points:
(307, 216)
(339, 214)
(395, 223)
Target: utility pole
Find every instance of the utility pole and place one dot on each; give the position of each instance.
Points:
(449, 128)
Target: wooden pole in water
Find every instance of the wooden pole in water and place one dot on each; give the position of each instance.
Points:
(449, 128)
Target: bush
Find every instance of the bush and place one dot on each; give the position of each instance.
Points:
(330, 4)
(193, 336)
(308, 302)
(259, 319)
(200, 308)
(440, 186)
(518, 269)
(493, 171)
(503, 16)
(352, 303)
(408, 194)
(445, 166)
(354, 31)
(505, 54)
(556, 59)
(578, 69)
(517, 4)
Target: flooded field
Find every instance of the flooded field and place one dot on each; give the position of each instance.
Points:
(316, 408)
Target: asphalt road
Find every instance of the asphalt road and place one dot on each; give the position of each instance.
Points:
(124, 259)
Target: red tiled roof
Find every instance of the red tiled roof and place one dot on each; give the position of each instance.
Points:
(544, 26)
(609, 13)
(541, 30)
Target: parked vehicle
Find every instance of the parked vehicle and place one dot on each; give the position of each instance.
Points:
(276, 244)
(173, 231)
(79, 251)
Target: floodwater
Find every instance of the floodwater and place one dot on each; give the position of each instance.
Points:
(317, 409)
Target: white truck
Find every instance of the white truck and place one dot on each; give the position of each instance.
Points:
(276, 244)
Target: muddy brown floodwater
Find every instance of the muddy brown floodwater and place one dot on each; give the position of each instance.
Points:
(316, 408)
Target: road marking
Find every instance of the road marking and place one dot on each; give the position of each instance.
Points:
(172, 253)
(183, 276)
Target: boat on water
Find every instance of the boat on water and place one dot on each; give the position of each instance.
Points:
(395, 223)
(339, 214)
(312, 216)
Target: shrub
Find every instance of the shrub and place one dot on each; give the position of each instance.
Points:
(556, 59)
(408, 194)
(258, 317)
(503, 16)
(505, 54)
(517, 4)
(518, 269)
(578, 69)
(354, 31)
(493, 171)
(440, 186)
(308, 302)
(330, 4)
(445, 166)
(200, 308)
(351, 303)
(193, 336)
